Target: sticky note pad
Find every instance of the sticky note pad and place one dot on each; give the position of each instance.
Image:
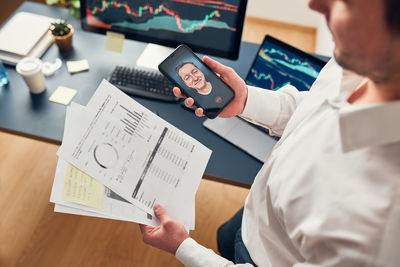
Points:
(77, 66)
(82, 189)
(114, 41)
(63, 95)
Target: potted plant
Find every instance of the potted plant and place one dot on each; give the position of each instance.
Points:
(62, 34)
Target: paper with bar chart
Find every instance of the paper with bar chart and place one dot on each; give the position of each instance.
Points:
(133, 152)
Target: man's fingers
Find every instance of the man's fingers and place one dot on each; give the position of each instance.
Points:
(199, 112)
(146, 228)
(143, 228)
(160, 213)
(146, 233)
(177, 92)
(189, 102)
(215, 65)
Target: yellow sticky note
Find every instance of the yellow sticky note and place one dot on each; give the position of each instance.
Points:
(82, 189)
(77, 66)
(114, 41)
(63, 95)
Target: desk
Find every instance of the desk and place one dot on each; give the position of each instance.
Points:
(34, 116)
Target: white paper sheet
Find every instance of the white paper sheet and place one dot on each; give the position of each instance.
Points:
(135, 153)
(75, 211)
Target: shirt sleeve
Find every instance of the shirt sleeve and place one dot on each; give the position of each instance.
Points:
(192, 254)
(272, 109)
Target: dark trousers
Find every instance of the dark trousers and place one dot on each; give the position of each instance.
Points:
(230, 243)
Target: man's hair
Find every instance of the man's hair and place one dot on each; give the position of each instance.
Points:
(393, 14)
(181, 65)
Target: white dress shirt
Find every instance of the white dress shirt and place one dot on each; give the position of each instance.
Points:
(329, 194)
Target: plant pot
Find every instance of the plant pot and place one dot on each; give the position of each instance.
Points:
(64, 42)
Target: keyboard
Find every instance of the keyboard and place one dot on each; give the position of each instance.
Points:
(143, 82)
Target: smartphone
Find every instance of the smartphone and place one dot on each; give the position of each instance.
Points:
(197, 80)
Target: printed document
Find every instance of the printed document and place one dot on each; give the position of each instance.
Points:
(133, 152)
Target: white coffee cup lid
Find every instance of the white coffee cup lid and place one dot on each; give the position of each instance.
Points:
(49, 68)
(29, 66)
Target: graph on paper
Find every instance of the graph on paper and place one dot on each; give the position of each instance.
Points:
(201, 19)
(135, 122)
(276, 66)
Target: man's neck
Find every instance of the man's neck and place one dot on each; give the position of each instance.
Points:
(372, 92)
(206, 89)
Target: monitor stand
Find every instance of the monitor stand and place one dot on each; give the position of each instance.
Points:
(153, 55)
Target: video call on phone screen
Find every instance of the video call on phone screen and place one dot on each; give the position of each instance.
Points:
(199, 82)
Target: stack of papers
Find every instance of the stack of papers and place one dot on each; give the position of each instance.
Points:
(25, 35)
(118, 159)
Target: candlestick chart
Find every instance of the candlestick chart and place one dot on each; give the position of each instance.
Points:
(275, 67)
(181, 16)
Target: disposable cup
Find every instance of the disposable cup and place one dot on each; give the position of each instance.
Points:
(31, 70)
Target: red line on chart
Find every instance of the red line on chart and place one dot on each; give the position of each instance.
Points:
(211, 4)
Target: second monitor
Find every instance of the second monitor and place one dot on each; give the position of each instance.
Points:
(207, 26)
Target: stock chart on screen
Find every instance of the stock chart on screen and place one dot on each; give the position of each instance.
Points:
(276, 66)
(206, 22)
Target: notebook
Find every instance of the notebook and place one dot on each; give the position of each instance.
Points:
(25, 34)
(275, 65)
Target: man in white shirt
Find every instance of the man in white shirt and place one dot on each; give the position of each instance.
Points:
(329, 195)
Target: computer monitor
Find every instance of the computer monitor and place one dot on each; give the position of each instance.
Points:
(207, 26)
(277, 64)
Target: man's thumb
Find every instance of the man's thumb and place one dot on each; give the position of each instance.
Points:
(160, 213)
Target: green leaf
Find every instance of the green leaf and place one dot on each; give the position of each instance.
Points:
(76, 4)
(51, 2)
(74, 12)
(60, 28)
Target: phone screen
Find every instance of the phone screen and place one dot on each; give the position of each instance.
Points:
(197, 80)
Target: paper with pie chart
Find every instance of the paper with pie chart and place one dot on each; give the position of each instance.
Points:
(75, 192)
(132, 151)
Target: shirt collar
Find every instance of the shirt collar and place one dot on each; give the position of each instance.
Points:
(349, 81)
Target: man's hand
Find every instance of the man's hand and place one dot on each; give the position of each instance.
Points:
(168, 236)
(230, 77)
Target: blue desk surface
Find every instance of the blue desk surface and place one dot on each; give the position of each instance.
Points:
(36, 117)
